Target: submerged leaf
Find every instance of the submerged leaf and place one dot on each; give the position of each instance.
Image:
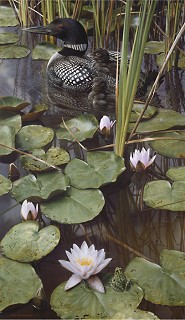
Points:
(163, 284)
(15, 279)
(34, 137)
(13, 52)
(5, 185)
(82, 301)
(81, 127)
(7, 37)
(74, 206)
(7, 17)
(45, 186)
(25, 242)
(44, 51)
(101, 168)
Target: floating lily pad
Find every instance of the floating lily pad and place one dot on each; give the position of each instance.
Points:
(174, 148)
(45, 186)
(5, 185)
(35, 113)
(54, 156)
(154, 47)
(163, 284)
(11, 119)
(44, 51)
(25, 243)
(164, 119)
(11, 103)
(34, 137)
(8, 37)
(135, 315)
(82, 302)
(7, 138)
(7, 17)
(74, 206)
(176, 174)
(13, 51)
(81, 127)
(162, 194)
(160, 60)
(15, 279)
(138, 108)
(101, 168)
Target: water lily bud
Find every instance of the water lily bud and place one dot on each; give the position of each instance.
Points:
(140, 160)
(29, 211)
(105, 125)
(84, 263)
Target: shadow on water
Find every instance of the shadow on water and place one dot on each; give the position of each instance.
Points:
(125, 228)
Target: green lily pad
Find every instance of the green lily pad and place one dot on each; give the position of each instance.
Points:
(176, 174)
(15, 279)
(7, 138)
(162, 194)
(82, 302)
(164, 119)
(35, 113)
(34, 137)
(154, 47)
(8, 37)
(13, 52)
(82, 127)
(163, 284)
(45, 186)
(101, 168)
(135, 315)
(44, 51)
(138, 108)
(160, 60)
(25, 243)
(5, 185)
(74, 206)
(170, 148)
(54, 156)
(11, 119)
(11, 103)
(7, 17)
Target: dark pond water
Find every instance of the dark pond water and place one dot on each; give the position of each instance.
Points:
(125, 227)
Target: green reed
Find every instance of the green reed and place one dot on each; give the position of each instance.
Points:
(129, 75)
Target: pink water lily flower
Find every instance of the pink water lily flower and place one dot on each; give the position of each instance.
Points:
(140, 160)
(85, 262)
(29, 211)
(105, 125)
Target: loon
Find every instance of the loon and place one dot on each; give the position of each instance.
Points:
(71, 68)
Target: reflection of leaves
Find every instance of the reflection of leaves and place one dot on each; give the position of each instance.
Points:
(163, 284)
(25, 243)
(44, 51)
(82, 301)
(13, 52)
(15, 280)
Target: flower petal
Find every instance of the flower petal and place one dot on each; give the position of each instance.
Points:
(73, 281)
(95, 283)
(69, 266)
(102, 265)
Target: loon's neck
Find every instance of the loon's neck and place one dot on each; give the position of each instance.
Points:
(69, 49)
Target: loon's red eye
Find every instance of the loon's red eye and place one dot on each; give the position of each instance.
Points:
(60, 26)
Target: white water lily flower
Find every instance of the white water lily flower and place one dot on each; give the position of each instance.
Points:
(85, 262)
(29, 211)
(105, 125)
(140, 160)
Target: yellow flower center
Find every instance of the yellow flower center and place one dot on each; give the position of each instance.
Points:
(85, 262)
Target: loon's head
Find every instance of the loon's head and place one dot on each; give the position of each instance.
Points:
(70, 31)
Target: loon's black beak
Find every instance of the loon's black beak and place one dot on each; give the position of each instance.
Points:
(41, 30)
